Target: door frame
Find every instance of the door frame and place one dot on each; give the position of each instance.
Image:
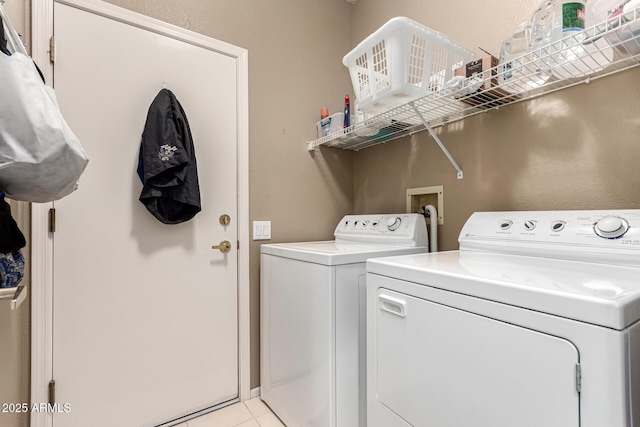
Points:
(42, 239)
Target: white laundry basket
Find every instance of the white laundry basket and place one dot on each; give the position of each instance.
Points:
(403, 60)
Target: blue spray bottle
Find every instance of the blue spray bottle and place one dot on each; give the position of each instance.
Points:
(347, 112)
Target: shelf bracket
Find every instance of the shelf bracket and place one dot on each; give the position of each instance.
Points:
(440, 144)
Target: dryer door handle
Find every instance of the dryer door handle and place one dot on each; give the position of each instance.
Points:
(392, 305)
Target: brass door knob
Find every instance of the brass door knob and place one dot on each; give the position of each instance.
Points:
(224, 246)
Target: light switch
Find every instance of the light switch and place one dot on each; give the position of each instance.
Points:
(261, 230)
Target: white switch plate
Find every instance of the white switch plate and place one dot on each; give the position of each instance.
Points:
(261, 230)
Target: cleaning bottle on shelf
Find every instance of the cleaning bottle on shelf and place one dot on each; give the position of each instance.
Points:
(347, 112)
(569, 17)
(557, 19)
(325, 121)
(557, 34)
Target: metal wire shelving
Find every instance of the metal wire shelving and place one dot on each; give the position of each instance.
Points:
(601, 50)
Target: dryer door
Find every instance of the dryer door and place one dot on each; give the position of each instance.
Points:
(440, 366)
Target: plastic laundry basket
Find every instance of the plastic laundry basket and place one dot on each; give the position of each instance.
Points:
(403, 60)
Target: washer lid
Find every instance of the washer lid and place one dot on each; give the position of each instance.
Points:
(600, 294)
(335, 252)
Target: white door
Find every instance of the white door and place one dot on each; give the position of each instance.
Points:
(145, 314)
(440, 366)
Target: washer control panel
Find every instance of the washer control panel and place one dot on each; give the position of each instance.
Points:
(395, 229)
(608, 235)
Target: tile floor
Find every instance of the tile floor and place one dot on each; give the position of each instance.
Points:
(251, 413)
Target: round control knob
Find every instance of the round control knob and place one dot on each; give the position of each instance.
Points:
(557, 226)
(393, 223)
(505, 225)
(530, 225)
(611, 227)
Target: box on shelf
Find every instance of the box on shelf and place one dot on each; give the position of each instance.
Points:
(400, 62)
(489, 95)
(331, 124)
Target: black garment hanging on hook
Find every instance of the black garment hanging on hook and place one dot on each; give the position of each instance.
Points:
(3, 40)
(167, 162)
(11, 238)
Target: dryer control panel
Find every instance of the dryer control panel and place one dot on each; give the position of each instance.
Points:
(607, 236)
(392, 229)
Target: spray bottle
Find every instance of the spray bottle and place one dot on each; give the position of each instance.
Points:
(347, 112)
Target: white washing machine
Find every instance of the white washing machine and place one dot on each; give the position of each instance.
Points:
(532, 323)
(313, 318)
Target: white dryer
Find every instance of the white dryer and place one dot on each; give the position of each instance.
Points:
(313, 318)
(534, 322)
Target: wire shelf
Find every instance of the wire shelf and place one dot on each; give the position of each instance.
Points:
(601, 50)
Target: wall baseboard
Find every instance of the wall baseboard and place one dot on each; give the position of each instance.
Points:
(255, 392)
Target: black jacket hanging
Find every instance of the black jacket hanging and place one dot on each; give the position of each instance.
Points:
(11, 238)
(167, 162)
(3, 40)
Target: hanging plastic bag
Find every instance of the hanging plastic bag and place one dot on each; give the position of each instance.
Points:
(41, 159)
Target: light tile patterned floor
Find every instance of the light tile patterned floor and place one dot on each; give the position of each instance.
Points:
(251, 413)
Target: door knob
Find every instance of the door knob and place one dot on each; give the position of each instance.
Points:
(224, 246)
